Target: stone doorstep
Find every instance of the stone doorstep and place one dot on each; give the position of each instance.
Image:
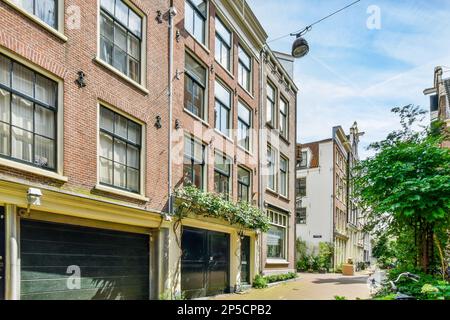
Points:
(274, 284)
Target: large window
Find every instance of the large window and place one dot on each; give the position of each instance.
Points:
(271, 156)
(300, 216)
(244, 126)
(195, 19)
(284, 178)
(194, 87)
(245, 70)
(222, 175)
(120, 151)
(121, 38)
(28, 112)
(244, 182)
(223, 109)
(45, 10)
(223, 45)
(270, 107)
(194, 163)
(284, 124)
(277, 235)
(301, 187)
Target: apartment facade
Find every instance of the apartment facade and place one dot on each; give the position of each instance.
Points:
(91, 93)
(325, 211)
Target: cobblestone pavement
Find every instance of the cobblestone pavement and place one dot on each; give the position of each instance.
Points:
(310, 287)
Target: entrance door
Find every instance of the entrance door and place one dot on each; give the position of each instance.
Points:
(205, 263)
(2, 253)
(245, 260)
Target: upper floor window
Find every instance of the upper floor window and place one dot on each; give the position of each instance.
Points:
(284, 179)
(194, 163)
(300, 216)
(271, 168)
(28, 115)
(194, 87)
(120, 151)
(244, 70)
(303, 160)
(284, 124)
(121, 38)
(244, 182)
(222, 175)
(195, 19)
(270, 107)
(244, 126)
(223, 109)
(301, 187)
(223, 45)
(45, 10)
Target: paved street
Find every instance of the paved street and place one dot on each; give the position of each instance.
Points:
(310, 287)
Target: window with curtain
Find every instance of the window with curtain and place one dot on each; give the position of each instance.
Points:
(45, 10)
(223, 108)
(244, 182)
(277, 235)
(284, 179)
(271, 168)
(195, 19)
(223, 45)
(222, 175)
(194, 87)
(121, 37)
(284, 118)
(303, 163)
(244, 126)
(120, 151)
(270, 104)
(28, 115)
(194, 163)
(244, 69)
(300, 215)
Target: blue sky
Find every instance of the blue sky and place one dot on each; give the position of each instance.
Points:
(353, 73)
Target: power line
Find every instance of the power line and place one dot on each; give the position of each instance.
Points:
(308, 28)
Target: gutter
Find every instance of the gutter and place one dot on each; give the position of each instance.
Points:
(172, 13)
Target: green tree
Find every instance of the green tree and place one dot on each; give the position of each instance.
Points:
(406, 185)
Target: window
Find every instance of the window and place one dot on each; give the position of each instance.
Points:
(284, 127)
(244, 125)
(270, 116)
(223, 109)
(195, 19)
(301, 187)
(222, 175)
(300, 216)
(284, 179)
(244, 180)
(303, 164)
(121, 38)
(120, 151)
(244, 70)
(271, 168)
(223, 45)
(194, 87)
(45, 10)
(194, 163)
(28, 112)
(276, 236)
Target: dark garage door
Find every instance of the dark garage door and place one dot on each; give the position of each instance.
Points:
(205, 263)
(112, 265)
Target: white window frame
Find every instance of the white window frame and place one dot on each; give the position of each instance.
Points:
(230, 54)
(275, 168)
(284, 224)
(206, 89)
(205, 27)
(205, 158)
(283, 157)
(250, 129)
(249, 90)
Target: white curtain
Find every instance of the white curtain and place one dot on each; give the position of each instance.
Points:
(45, 122)
(22, 144)
(44, 152)
(23, 79)
(45, 91)
(106, 171)
(5, 97)
(22, 113)
(4, 70)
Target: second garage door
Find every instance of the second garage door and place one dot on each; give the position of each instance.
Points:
(111, 264)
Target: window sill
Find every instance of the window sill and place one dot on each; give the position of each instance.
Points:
(121, 75)
(273, 192)
(276, 261)
(225, 69)
(285, 139)
(246, 91)
(224, 135)
(118, 192)
(198, 42)
(245, 150)
(35, 19)
(204, 122)
(285, 198)
(33, 170)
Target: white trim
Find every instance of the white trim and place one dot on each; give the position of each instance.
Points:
(31, 169)
(119, 192)
(207, 87)
(196, 117)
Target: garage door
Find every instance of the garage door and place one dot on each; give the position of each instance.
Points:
(76, 263)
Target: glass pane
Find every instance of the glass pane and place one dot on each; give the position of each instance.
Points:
(269, 111)
(120, 173)
(133, 67)
(244, 176)
(244, 58)
(22, 145)
(5, 71)
(223, 94)
(222, 164)
(108, 5)
(23, 79)
(201, 5)
(199, 28)
(134, 47)
(120, 151)
(120, 60)
(106, 119)
(224, 120)
(106, 50)
(132, 157)
(198, 153)
(134, 132)
(44, 122)
(189, 19)
(195, 69)
(133, 180)
(45, 10)
(244, 113)
(106, 27)
(27, 5)
(122, 12)
(188, 147)
(4, 139)
(44, 152)
(198, 176)
(223, 32)
(135, 23)
(45, 90)
(22, 113)
(120, 37)
(120, 126)
(106, 146)
(106, 171)
(5, 98)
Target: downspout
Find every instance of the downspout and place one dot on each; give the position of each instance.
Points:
(172, 13)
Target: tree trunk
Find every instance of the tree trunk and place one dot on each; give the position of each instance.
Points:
(426, 247)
